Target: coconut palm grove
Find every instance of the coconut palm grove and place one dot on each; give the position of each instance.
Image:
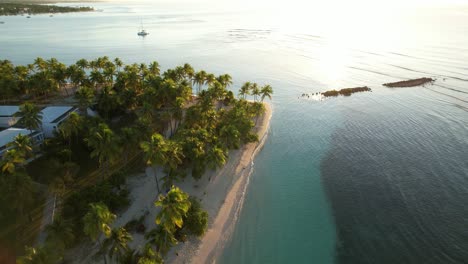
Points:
(180, 123)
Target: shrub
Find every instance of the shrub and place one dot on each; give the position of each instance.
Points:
(196, 220)
(77, 204)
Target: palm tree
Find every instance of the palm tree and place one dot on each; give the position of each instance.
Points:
(188, 71)
(161, 238)
(143, 69)
(116, 244)
(104, 143)
(118, 63)
(255, 91)
(174, 206)
(11, 159)
(108, 73)
(154, 68)
(64, 180)
(76, 74)
(82, 63)
(174, 156)
(129, 138)
(266, 91)
(21, 74)
(40, 64)
(131, 256)
(230, 135)
(209, 79)
(60, 233)
(257, 109)
(85, 98)
(199, 79)
(71, 127)
(107, 101)
(225, 80)
(97, 221)
(245, 89)
(96, 78)
(216, 157)
(59, 73)
(151, 260)
(155, 153)
(22, 190)
(40, 255)
(22, 144)
(148, 252)
(30, 116)
(146, 113)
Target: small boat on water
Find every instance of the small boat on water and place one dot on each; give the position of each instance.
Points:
(1, 22)
(142, 31)
(28, 17)
(51, 15)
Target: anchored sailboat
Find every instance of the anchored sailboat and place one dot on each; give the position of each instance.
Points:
(142, 31)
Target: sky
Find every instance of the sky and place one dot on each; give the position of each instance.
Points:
(328, 6)
(327, 2)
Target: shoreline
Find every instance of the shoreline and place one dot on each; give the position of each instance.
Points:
(222, 218)
(219, 191)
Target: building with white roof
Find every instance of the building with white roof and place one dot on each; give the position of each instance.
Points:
(7, 118)
(52, 116)
(9, 135)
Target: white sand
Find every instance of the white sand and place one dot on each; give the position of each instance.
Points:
(223, 201)
(221, 193)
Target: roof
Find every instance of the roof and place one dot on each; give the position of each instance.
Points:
(8, 110)
(52, 114)
(8, 135)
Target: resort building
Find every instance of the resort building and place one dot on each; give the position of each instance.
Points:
(52, 116)
(7, 118)
(9, 135)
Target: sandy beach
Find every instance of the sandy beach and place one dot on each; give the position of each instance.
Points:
(222, 197)
(221, 193)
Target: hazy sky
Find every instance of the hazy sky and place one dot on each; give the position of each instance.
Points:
(303, 5)
(327, 2)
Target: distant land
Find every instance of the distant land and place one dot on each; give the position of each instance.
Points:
(11, 9)
(46, 1)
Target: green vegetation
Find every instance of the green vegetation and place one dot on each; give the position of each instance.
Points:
(30, 116)
(19, 196)
(12, 9)
(346, 91)
(196, 219)
(144, 117)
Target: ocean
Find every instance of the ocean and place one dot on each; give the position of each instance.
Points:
(377, 177)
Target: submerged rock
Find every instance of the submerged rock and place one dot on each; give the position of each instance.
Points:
(346, 91)
(410, 83)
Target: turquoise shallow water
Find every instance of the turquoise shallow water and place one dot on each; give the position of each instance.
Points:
(377, 177)
(286, 174)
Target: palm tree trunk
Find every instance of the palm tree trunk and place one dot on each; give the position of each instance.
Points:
(156, 179)
(66, 89)
(69, 147)
(170, 126)
(103, 255)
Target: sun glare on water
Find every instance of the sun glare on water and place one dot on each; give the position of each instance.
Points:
(344, 27)
(339, 27)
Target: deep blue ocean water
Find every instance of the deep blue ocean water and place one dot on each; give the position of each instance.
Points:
(378, 177)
